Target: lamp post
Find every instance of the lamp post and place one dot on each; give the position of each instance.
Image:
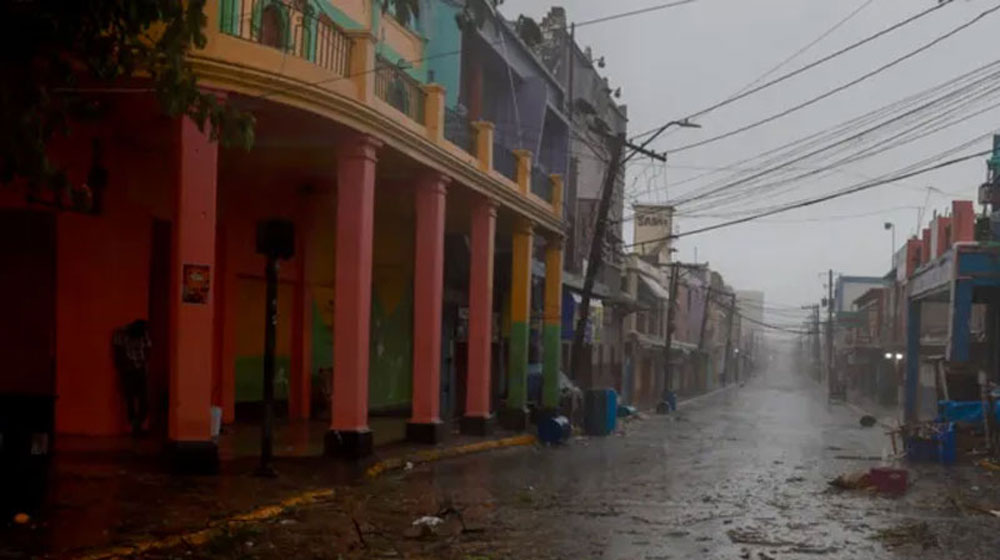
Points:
(892, 253)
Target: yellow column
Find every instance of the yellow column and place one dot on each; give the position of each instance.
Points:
(515, 416)
(484, 145)
(557, 194)
(363, 64)
(434, 112)
(523, 170)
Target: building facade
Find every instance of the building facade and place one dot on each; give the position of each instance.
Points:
(383, 178)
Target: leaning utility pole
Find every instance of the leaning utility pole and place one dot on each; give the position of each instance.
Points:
(618, 143)
(597, 248)
(829, 334)
(671, 306)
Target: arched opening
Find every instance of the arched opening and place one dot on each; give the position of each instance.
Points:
(272, 28)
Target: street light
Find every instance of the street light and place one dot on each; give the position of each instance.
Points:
(683, 123)
(892, 253)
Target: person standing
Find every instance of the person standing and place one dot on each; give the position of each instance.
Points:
(131, 346)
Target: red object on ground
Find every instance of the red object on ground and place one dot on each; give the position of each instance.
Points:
(889, 480)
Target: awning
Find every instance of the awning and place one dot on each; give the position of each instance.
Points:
(655, 287)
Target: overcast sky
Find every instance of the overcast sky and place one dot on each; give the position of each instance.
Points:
(675, 62)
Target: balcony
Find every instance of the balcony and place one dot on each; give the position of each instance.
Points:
(541, 184)
(291, 27)
(458, 130)
(504, 161)
(290, 52)
(400, 90)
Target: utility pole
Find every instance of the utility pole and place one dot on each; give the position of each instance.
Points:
(671, 306)
(597, 247)
(729, 338)
(815, 333)
(618, 142)
(829, 334)
(704, 318)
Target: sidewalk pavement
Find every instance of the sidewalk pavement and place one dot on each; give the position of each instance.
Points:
(110, 506)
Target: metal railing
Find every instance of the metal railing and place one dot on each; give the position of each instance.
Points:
(290, 26)
(458, 130)
(504, 161)
(397, 88)
(541, 185)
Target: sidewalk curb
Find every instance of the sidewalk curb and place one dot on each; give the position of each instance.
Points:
(199, 537)
(432, 455)
(686, 402)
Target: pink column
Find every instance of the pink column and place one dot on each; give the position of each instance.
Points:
(428, 293)
(192, 309)
(478, 419)
(349, 435)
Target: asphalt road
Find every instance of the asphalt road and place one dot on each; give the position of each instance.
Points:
(741, 473)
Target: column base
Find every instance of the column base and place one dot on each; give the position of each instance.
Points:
(193, 457)
(478, 425)
(426, 432)
(515, 419)
(349, 445)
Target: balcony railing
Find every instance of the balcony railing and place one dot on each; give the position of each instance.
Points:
(458, 131)
(291, 26)
(504, 161)
(400, 90)
(541, 185)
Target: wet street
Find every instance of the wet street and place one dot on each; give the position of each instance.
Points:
(738, 474)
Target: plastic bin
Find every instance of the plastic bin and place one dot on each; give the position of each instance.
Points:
(600, 410)
(554, 429)
(941, 448)
(947, 449)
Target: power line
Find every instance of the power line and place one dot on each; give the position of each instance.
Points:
(811, 65)
(870, 151)
(636, 12)
(808, 46)
(878, 148)
(804, 143)
(818, 200)
(840, 88)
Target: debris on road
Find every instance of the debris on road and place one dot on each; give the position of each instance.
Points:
(889, 480)
(867, 421)
(751, 535)
(422, 527)
(908, 534)
(859, 480)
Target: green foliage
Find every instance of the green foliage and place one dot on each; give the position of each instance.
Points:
(58, 56)
(406, 11)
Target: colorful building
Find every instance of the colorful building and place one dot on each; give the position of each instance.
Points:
(384, 181)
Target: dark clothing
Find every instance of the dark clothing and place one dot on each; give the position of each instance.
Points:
(131, 348)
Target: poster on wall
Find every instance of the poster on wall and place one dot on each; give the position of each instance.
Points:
(196, 281)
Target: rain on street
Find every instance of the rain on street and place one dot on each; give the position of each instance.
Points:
(742, 473)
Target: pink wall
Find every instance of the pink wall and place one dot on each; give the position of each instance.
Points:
(102, 276)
